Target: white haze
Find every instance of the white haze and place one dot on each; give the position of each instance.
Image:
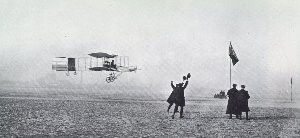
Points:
(165, 38)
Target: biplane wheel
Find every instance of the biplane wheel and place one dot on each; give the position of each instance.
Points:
(108, 80)
(112, 79)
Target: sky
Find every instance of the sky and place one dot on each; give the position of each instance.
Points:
(166, 39)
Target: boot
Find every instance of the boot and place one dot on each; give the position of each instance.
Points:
(181, 112)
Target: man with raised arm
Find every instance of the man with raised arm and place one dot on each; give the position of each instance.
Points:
(180, 99)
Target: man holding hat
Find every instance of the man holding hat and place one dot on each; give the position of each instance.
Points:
(180, 99)
(242, 101)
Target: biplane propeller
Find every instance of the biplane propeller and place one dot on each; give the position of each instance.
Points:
(100, 61)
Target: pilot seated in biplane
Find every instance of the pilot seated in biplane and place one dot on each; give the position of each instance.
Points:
(113, 65)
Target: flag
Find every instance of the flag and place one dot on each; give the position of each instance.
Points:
(232, 55)
(291, 81)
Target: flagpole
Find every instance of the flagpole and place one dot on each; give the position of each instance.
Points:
(229, 68)
(230, 74)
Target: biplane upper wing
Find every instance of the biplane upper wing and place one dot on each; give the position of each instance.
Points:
(102, 55)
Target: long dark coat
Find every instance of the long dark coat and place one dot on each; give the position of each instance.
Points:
(242, 99)
(232, 101)
(180, 99)
(173, 95)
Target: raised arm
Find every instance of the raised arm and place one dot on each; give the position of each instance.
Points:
(186, 83)
(172, 85)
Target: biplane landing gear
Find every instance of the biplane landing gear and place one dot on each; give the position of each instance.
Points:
(110, 79)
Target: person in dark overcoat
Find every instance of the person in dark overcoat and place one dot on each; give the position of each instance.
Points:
(242, 100)
(232, 102)
(180, 99)
(172, 98)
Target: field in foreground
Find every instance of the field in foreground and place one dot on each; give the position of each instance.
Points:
(23, 117)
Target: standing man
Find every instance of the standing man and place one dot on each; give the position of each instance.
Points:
(232, 102)
(180, 99)
(242, 99)
(172, 98)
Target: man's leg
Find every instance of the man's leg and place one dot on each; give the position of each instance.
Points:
(240, 116)
(181, 111)
(175, 109)
(238, 113)
(247, 115)
(230, 116)
(170, 106)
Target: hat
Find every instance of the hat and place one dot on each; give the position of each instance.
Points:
(189, 75)
(243, 86)
(233, 85)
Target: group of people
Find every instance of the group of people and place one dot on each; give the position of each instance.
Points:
(238, 102)
(177, 96)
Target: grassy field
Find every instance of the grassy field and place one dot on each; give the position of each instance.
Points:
(42, 117)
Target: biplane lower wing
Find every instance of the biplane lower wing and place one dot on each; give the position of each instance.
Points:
(127, 69)
(102, 69)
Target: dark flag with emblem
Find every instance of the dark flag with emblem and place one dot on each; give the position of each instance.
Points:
(233, 55)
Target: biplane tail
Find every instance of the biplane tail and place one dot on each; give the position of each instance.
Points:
(63, 64)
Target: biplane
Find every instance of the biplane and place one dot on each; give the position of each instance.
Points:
(114, 64)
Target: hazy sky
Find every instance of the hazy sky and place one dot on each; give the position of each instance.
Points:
(165, 38)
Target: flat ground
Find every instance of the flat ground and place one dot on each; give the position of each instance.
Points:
(23, 117)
